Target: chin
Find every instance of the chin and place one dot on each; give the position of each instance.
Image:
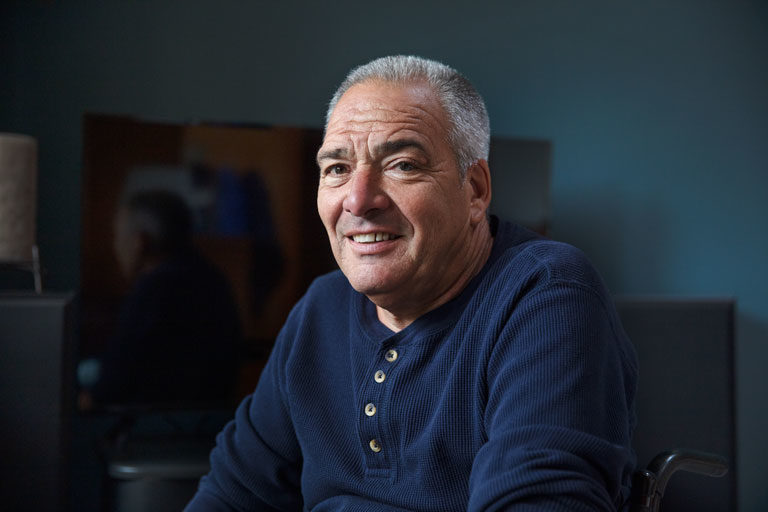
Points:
(367, 284)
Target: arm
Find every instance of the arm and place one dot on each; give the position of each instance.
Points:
(561, 382)
(256, 464)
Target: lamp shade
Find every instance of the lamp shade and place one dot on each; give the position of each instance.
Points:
(18, 197)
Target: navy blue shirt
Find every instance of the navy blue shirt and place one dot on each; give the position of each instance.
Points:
(518, 394)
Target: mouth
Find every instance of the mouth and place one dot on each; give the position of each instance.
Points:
(369, 238)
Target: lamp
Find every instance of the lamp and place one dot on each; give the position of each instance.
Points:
(18, 202)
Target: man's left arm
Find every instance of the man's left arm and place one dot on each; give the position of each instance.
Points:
(559, 417)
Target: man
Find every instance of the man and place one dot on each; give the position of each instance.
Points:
(455, 362)
(178, 328)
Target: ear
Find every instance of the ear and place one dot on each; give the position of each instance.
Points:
(478, 183)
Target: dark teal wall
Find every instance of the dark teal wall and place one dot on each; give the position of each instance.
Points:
(658, 112)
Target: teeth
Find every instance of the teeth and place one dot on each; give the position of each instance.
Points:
(367, 238)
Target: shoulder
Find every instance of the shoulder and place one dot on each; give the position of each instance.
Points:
(562, 262)
(321, 303)
(315, 326)
(326, 290)
(330, 283)
(525, 256)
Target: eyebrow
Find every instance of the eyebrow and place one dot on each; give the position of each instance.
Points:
(332, 154)
(389, 147)
(383, 149)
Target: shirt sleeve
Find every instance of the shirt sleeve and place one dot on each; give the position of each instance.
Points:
(256, 463)
(559, 413)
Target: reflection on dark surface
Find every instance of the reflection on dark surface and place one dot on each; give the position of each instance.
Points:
(178, 329)
(251, 194)
(242, 209)
(250, 191)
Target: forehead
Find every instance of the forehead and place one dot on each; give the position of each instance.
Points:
(377, 108)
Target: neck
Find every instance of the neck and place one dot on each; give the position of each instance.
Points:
(400, 314)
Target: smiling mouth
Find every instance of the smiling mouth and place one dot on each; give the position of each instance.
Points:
(368, 238)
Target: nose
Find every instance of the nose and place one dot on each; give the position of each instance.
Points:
(365, 194)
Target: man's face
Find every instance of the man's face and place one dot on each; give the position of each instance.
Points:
(391, 196)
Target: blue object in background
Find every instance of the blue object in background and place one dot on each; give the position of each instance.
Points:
(231, 205)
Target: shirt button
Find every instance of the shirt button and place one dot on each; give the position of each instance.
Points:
(380, 376)
(391, 355)
(375, 446)
(370, 410)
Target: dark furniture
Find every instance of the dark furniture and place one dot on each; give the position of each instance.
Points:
(36, 400)
(686, 392)
(158, 473)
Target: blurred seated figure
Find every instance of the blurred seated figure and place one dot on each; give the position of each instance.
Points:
(178, 329)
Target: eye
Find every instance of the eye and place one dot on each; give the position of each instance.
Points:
(405, 166)
(334, 170)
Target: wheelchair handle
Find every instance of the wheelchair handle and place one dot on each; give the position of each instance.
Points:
(648, 485)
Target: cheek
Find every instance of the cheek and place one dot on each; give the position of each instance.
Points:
(439, 222)
(328, 211)
(429, 211)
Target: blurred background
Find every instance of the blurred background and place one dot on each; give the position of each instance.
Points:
(656, 112)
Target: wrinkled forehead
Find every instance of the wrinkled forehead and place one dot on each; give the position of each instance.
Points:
(379, 108)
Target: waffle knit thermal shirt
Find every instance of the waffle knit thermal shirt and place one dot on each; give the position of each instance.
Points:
(518, 394)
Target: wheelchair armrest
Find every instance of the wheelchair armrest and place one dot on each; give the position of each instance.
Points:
(648, 485)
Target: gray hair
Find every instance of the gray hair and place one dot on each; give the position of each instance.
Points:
(470, 133)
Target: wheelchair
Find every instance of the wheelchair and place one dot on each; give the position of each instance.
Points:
(649, 484)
